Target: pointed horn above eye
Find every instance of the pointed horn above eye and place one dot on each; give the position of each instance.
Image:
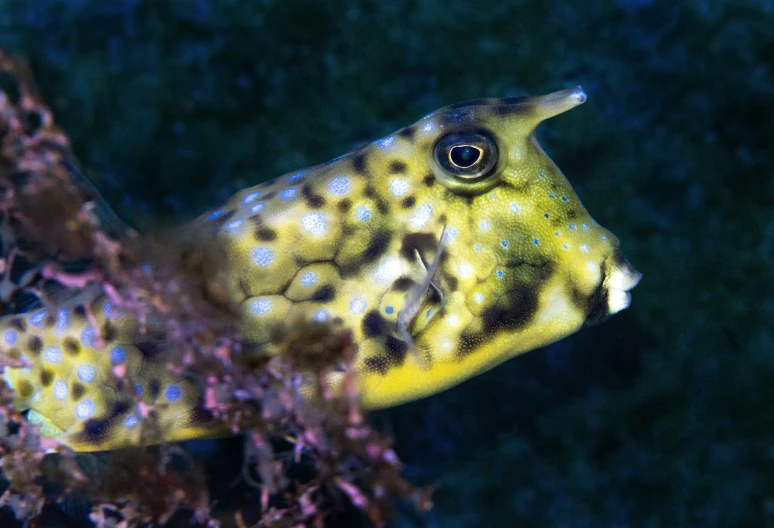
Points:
(553, 104)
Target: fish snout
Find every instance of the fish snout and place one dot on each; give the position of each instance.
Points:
(619, 280)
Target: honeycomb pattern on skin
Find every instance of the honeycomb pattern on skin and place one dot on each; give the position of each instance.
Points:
(447, 247)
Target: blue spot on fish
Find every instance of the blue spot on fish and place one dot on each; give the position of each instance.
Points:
(9, 337)
(87, 336)
(117, 355)
(250, 197)
(173, 393)
(288, 193)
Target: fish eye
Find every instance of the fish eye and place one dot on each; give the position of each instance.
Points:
(466, 156)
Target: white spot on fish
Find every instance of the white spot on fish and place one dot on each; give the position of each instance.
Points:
(86, 373)
(85, 409)
(260, 306)
(321, 316)
(232, 225)
(9, 337)
(62, 321)
(60, 389)
(363, 213)
(250, 198)
(52, 354)
(465, 270)
(315, 222)
(340, 186)
(388, 270)
(263, 256)
(421, 216)
(309, 278)
(358, 305)
(398, 187)
(87, 336)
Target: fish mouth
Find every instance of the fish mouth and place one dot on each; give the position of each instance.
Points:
(621, 278)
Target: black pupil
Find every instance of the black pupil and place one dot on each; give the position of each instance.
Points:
(464, 156)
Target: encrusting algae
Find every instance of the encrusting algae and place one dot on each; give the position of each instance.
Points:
(447, 248)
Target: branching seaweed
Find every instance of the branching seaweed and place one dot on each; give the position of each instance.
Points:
(308, 454)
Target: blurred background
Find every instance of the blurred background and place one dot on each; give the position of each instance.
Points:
(662, 416)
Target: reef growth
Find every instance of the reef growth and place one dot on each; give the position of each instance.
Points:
(305, 459)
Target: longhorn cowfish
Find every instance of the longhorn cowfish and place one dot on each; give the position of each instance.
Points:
(447, 248)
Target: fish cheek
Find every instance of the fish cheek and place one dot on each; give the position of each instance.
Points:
(512, 311)
(594, 306)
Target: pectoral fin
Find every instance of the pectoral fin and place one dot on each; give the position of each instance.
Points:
(422, 302)
(47, 428)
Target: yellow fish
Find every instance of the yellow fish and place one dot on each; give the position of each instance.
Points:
(447, 247)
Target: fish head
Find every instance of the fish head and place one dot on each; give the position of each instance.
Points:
(523, 263)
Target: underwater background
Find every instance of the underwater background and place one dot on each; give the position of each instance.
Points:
(661, 416)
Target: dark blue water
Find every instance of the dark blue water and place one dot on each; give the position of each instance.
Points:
(659, 417)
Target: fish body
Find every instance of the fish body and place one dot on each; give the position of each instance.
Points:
(447, 247)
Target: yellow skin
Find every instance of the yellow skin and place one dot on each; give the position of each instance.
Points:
(447, 247)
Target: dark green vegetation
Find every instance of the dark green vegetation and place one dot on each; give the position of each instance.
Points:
(661, 416)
